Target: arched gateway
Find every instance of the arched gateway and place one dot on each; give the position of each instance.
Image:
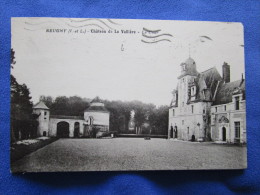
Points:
(63, 126)
(63, 129)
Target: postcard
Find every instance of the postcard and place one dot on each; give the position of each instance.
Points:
(91, 94)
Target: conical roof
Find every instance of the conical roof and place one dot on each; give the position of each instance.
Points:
(40, 105)
(189, 68)
(96, 100)
(190, 61)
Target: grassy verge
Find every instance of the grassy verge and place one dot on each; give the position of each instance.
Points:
(18, 151)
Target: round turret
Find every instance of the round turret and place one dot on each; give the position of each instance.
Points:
(43, 113)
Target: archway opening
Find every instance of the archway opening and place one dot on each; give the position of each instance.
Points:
(171, 132)
(76, 129)
(44, 133)
(193, 138)
(63, 129)
(224, 138)
(175, 132)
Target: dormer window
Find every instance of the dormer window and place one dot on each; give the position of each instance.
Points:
(174, 97)
(184, 67)
(237, 103)
(193, 90)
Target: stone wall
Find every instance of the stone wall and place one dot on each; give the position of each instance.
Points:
(53, 126)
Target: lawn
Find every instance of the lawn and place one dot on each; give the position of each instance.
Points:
(131, 154)
(24, 147)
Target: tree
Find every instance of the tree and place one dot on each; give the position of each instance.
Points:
(13, 62)
(159, 120)
(69, 106)
(48, 100)
(23, 122)
(120, 113)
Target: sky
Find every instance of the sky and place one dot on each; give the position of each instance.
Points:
(63, 56)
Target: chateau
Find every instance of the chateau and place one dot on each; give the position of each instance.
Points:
(207, 106)
(96, 116)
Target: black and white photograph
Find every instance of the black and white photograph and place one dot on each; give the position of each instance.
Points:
(93, 94)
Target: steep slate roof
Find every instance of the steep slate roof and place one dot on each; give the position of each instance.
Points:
(40, 105)
(96, 100)
(207, 81)
(96, 108)
(226, 90)
(190, 68)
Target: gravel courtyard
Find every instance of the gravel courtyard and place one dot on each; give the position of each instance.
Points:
(130, 154)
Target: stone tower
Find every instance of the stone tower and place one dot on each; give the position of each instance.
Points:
(43, 113)
(188, 74)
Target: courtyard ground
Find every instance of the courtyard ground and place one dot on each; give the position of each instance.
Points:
(131, 154)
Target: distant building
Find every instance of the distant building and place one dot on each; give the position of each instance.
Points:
(206, 106)
(95, 117)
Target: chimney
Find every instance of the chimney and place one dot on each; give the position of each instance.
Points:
(226, 72)
(242, 80)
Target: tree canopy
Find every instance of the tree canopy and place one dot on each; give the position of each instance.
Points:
(120, 113)
(23, 121)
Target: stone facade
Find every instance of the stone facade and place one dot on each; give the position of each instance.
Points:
(192, 113)
(96, 116)
(228, 122)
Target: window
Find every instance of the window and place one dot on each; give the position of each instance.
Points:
(237, 129)
(216, 109)
(173, 112)
(237, 103)
(193, 92)
(225, 108)
(192, 109)
(182, 122)
(188, 130)
(45, 113)
(203, 111)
